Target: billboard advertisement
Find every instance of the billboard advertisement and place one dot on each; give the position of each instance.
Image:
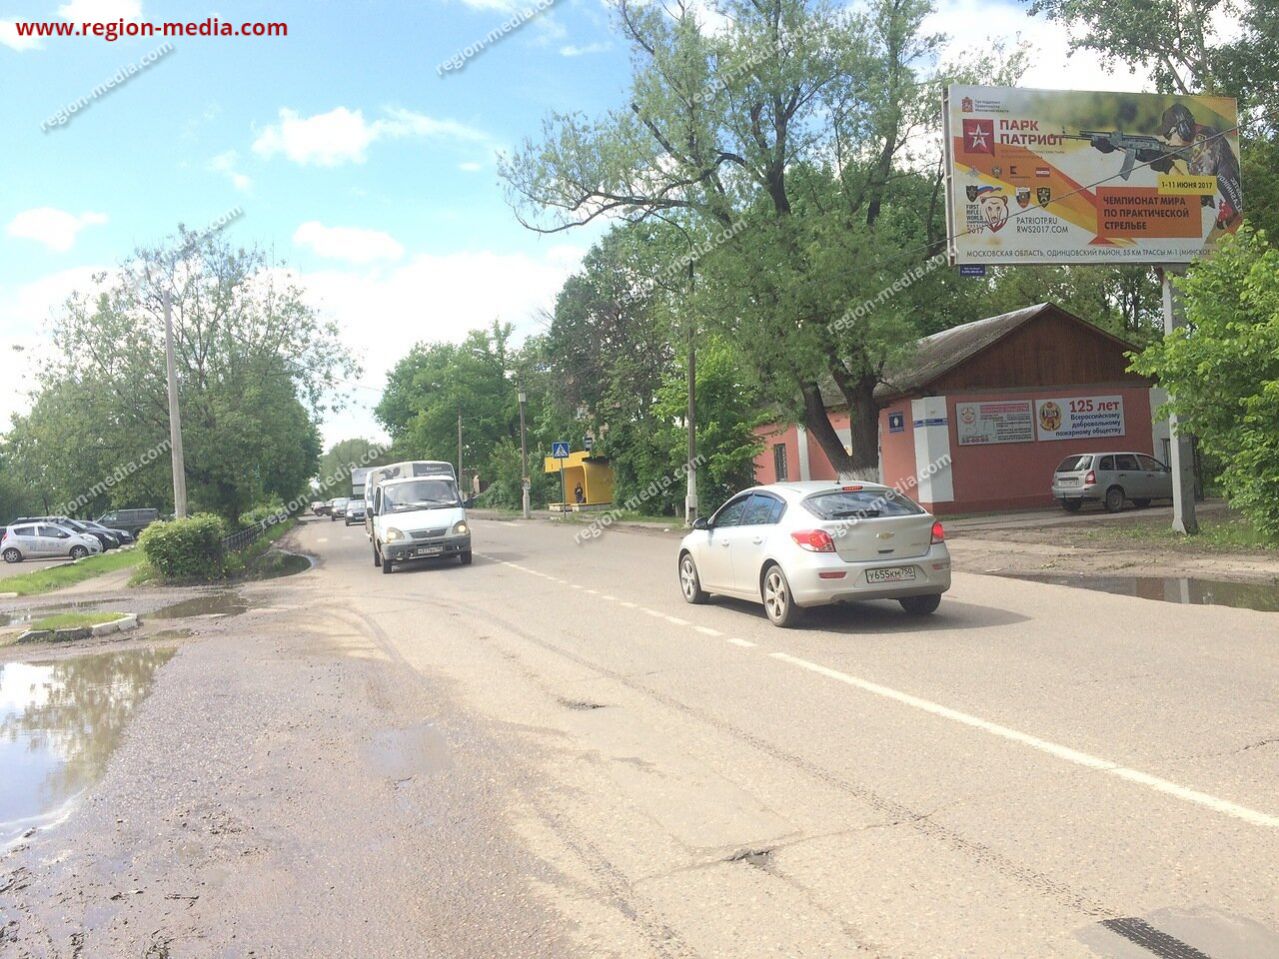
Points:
(1002, 421)
(1052, 176)
(1080, 417)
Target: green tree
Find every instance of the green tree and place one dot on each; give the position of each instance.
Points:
(255, 366)
(782, 150)
(1222, 370)
(334, 474)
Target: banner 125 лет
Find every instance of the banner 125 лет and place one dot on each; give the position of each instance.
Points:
(1050, 176)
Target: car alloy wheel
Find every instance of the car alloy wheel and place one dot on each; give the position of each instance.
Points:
(690, 584)
(779, 604)
(79, 552)
(1114, 499)
(11, 555)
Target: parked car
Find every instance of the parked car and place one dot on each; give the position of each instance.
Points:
(320, 507)
(354, 512)
(106, 539)
(791, 546)
(337, 508)
(419, 518)
(44, 541)
(1111, 479)
(123, 536)
(133, 520)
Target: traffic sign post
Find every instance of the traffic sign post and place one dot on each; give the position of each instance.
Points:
(559, 451)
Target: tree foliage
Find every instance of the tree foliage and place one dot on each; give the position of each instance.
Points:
(1222, 370)
(255, 367)
(783, 149)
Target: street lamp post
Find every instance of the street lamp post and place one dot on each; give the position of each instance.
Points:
(175, 417)
(524, 483)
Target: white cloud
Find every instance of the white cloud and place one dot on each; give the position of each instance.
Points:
(470, 166)
(971, 24)
(347, 243)
(344, 136)
(24, 315)
(55, 229)
(431, 298)
(9, 37)
(227, 164)
(572, 50)
(100, 11)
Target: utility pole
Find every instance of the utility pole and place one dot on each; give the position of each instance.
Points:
(690, 496)
(524, 457)
(175, 417)
(1181, 452)
(459, 449)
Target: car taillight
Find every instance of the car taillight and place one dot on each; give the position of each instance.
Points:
(1091, 477)
(814, 540)
(939, 532)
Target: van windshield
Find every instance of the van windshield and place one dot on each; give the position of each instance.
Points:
(420, 494)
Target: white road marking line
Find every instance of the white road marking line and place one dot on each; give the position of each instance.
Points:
(593, 592)
(611, 599)
(576, 585)
(676, 621)
(630, 605)
(1043, 745)
(708, 631)
(321, 539)
(741, 642)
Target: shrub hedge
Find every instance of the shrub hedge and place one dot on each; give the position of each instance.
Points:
(188, 548)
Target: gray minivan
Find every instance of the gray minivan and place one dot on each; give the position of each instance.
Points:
(1110, 478)
(133, 520)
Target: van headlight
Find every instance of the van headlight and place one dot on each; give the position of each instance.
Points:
(461, 529)
(392, 534)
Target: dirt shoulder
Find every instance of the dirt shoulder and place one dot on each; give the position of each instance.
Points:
(288, 788)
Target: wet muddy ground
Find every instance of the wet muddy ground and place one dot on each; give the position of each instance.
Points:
(267, 782)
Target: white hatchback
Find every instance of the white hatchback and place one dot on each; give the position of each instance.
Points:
(794, 545)
(45, 541)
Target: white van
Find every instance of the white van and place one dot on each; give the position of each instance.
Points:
(402, 470)
(419, 518)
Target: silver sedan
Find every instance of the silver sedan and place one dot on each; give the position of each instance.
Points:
(790, 546)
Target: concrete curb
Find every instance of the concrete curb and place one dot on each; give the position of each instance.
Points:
(125, 623)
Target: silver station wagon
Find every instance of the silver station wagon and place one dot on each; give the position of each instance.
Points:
(1111, 479)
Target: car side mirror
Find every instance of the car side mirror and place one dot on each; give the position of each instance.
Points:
(701, 523)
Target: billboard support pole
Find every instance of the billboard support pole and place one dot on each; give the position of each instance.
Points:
(1181, 453)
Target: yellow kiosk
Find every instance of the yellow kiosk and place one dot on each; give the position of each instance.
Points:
(587, 481)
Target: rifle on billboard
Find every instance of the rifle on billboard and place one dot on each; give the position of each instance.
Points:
(1137, 149)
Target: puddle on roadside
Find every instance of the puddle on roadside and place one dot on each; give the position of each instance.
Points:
(59, 723)
(1171, 589)
(210, 604)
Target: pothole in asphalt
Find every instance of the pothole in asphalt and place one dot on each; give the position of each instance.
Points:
(580, 704)
(759, 858)
(59, 723)
(209, 604)
(1171, 589)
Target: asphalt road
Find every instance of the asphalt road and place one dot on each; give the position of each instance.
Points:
(1029, 763)
(1035, 771)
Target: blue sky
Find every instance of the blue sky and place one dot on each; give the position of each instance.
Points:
(362, 169)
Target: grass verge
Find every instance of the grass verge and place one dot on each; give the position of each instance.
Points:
(1218, 533)
(73, 620)
(46, 580)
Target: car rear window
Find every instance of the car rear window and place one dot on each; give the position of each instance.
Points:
(859, 504)
(1073, 464)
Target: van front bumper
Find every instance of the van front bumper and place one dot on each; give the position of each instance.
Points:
(407, 549)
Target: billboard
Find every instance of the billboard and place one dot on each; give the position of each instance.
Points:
(1002, 421)
(1052, 176)
(1080, 417)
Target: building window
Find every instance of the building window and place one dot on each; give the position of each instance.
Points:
(780, 473)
